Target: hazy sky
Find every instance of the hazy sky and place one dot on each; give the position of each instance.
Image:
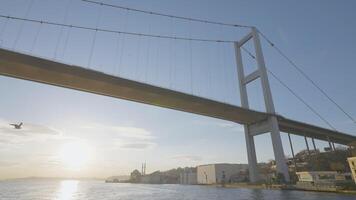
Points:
(117, 135)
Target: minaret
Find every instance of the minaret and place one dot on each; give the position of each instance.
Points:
(144, 168)
(142, 172)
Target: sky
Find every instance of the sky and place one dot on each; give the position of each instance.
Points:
(68, 133)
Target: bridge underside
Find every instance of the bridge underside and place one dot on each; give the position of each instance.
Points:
(27, 67)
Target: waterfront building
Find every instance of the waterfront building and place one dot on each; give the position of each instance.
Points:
(322, 176)
(219, 173)
(188, 176)
(352, 164)
(153, 178)
(158, 177)
(322, 180)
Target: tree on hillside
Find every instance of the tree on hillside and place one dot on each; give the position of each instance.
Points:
(328, 161)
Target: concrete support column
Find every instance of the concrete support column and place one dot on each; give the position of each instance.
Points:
(314, 144)
(292, 150)
(275, 133)
(306, 143)
(250, 144)
(251, 156)
(278, 149)
(331, 148)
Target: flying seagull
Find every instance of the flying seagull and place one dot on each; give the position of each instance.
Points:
(17, 126)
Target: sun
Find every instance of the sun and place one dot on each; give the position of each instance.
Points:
(75, 155)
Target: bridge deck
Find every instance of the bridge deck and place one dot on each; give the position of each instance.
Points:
(27, 67)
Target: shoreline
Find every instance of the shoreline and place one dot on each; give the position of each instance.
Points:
(280, 187)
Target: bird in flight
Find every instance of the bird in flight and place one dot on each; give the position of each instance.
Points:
(17, 126)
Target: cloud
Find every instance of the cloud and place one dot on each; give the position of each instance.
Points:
(221, 124)
(50, 162)
(133, 132)
(187, 158)
(14, 138)
(134, 144)
(121, 131)
(26, 130)
(5, 141)
(8, 164)
(137, 145)
(227, 125)
(125, 137)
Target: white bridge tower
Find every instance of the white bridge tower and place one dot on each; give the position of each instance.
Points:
(270, 124)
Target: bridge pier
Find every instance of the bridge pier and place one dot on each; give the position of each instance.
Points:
(270, 124)
(306, 143)
(278, 149)
(314, 144)
(251, 156)
(292, 150)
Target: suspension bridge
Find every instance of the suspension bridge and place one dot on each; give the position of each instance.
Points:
(24, 65)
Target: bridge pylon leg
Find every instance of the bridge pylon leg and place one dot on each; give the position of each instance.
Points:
(278, 149)
(251, 156)
(270, 124)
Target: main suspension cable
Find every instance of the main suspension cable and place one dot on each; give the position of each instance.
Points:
(116, 31)
(299, 69)
(167, 15)
(301, 99)
(231, 25)
(296, 95)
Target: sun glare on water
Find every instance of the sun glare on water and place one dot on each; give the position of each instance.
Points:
(67, 190)
(75, 155)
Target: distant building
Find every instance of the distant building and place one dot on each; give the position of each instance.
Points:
(219, 173)
(188, 176)
(117, 179)
(322, 180)
(352, 164)
(135, 176)
(158, 177)
(321, 176)
(352, 148)
(242, 176)
(154, 178)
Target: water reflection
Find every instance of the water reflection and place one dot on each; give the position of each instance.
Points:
(84, 190)
(67, 190)
(256, 194)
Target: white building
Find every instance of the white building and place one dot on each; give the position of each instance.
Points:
(352, 164)
(214, 173)
(188, 177)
